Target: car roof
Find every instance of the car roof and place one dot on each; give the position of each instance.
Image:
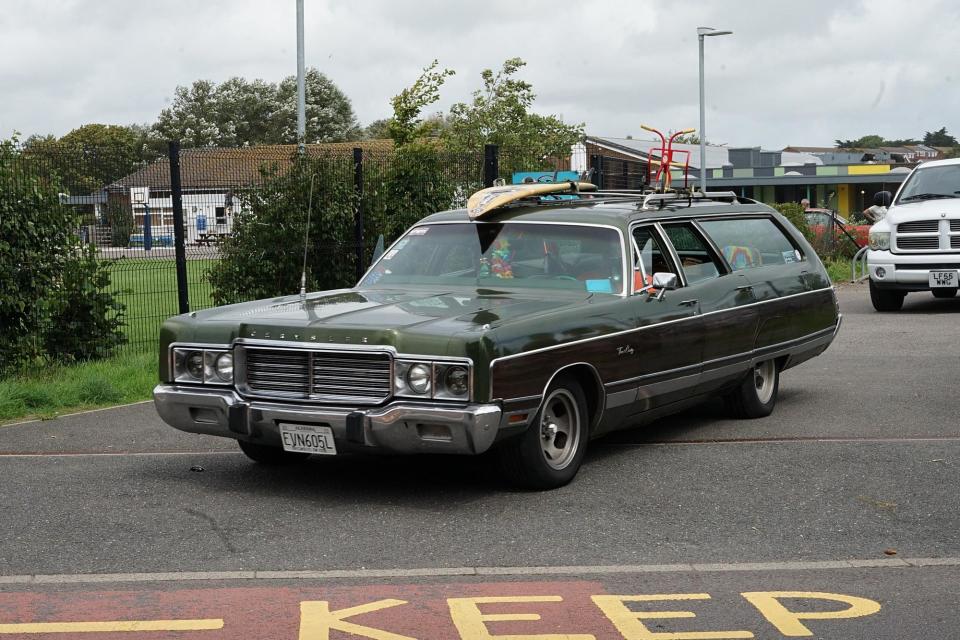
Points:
(600, 213)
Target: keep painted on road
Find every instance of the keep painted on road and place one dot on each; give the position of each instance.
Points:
(568, 610)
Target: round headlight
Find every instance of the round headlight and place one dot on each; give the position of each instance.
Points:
(194, 362)
(418, 378)
(457, 381)
(224, 367)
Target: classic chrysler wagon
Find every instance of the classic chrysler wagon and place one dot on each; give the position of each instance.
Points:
(526, 328)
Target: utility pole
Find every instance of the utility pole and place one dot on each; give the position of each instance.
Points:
(301, 84)
(701, 33)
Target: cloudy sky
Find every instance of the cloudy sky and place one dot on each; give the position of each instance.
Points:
(794, 73)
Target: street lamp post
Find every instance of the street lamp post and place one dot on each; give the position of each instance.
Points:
(702, 32)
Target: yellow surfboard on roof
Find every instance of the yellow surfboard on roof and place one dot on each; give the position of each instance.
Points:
(486, 200)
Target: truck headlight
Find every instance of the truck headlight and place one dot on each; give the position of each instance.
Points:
(419, 378)
(439, 380)
(202, 366)
(879, 240)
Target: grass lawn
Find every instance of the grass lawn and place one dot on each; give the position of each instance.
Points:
(148, 288)
(55, 390)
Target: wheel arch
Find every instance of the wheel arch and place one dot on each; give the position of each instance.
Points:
(588, 378)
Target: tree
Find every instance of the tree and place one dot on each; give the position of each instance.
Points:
(939, 138)
(873, 141)
(263, 256)
(54, 299)
(406, 125)
(500, 114)
(239, 112)
(377, 130)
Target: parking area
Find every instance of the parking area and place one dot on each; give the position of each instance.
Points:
(850, 489)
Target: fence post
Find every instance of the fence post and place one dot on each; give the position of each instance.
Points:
(491, 164)
(179, 230)
(358, 214)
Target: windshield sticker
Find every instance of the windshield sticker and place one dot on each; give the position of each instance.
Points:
(401, 244)
(789, 256)
(599, 286)
(419, 231)
(430, 303)
(389, 254)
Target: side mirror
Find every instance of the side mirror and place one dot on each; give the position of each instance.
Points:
(664, 280)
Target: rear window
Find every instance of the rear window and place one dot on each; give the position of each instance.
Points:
(751, 242)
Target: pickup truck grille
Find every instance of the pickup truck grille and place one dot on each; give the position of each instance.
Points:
(927, 235)
(309, 374)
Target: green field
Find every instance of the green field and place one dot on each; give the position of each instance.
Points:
(148, 289)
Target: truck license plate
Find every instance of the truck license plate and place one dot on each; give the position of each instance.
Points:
(307, 438)
(947, 279)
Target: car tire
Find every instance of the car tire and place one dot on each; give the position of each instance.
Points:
(549, 453)
(265, 454)
(757, 394)
(944, 293)
(886, 299)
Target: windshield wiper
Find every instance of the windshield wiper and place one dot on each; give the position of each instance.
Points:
(927, 196)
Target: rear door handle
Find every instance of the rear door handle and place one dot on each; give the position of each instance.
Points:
(746, 287)
(689, 303)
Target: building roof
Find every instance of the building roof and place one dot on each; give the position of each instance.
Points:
(215, 167)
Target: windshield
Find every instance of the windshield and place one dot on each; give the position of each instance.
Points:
(932, 182)
(505, 255)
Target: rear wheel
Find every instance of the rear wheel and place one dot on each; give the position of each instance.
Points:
(265, 454)
(757, 394)
(549, 453)
(944, 293)
(886, 299)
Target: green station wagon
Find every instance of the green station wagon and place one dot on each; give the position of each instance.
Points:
(528, 331)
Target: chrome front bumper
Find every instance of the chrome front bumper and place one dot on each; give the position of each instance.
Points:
(400, 427)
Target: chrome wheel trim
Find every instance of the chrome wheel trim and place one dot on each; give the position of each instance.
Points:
(764, 377)
(560, 429)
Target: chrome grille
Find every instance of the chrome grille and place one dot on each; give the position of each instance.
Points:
(955, 242)
(918, 242)
(955, 226)
(919, 226)
(309, 374)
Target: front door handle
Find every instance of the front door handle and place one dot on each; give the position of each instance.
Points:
(746, 287)
(689, 303)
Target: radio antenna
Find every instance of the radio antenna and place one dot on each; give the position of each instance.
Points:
(306, 243)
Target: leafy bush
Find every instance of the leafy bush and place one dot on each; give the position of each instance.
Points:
(794, 212)
(263, 256)
(52, 291)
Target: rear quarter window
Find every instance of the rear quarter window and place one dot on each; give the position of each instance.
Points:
(748, 243)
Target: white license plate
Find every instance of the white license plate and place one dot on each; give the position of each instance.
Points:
(944, 279)
(307, 438)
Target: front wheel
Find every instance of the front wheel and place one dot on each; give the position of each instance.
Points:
(549, 453)
(886, 299)
(757, 394)
(265, 454)
(944, 293)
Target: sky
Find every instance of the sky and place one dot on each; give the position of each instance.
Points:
(804, 72)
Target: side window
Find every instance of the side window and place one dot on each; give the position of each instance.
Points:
(751, 242)
(649, 258)
(697, 259)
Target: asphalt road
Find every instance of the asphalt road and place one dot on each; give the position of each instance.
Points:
(852, 487)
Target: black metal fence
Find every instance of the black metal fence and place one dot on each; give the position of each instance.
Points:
(161, 222)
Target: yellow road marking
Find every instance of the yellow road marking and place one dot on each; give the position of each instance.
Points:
(471, 623)
(628, 622)
(317, 620)
(114, 625)
(788, 622)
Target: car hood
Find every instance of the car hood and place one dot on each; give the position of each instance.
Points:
(373, 316)
(924, 210)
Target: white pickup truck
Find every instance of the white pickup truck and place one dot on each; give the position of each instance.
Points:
(916, 247)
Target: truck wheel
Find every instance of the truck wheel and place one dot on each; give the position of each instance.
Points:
(757, 394)
(265, 454)
(944, 293)
(549, 453)
(885, 299)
